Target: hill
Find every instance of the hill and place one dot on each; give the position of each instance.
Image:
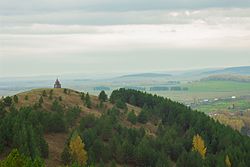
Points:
(227, 77)
(243, 70)
(68, 99)
(146, 75)
(132, 129)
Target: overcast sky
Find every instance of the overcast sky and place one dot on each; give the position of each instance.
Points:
(42, 37)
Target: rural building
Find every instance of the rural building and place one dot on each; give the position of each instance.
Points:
(57, 84)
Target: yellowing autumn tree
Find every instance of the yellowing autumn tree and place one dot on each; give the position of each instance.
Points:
(227, 161)
(199, 146)
(77, 150)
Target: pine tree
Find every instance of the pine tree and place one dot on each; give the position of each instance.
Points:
(199, 146)
(51, 94)
(15, 159)
(44, 93)
(41, 100)
(65, 91)
(103, 96)
(77, 150)
(82, 95)
(143, 117)
(132, 117)
(26, 97)
(88, 101)
(132, 100)
(65, 156)
(7, 101)
(15, 98)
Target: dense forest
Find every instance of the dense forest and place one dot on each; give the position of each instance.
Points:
(183, 138)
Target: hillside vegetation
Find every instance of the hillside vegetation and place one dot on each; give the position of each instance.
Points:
(131, 128)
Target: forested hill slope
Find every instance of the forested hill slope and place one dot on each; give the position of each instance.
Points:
(131, 128)
(178, 126)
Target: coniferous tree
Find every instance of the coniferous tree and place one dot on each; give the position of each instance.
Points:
(26, 97)
(15, 159)
(132, 117)
(44, 94)
(87, 101)
(40, 100)
(120, 104)
(103, 96)
(51, 94)
(15, 98)
(189, 159)
(132, 100)
(66, 156)
(7, 101)
(56, 106)
(143, 117)
(65, 91)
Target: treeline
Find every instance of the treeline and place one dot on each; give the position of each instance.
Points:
(178, 125)
(23, 130)
(164, 88)
(227, 77)
(100, 88)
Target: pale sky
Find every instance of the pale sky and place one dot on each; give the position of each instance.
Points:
(43, 37)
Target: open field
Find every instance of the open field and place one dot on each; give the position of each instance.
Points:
(198, 90)
(201, 90)
(218, 86)
(225, 105)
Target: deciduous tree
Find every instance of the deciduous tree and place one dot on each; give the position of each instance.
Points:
(77, 150)
(199, 145)
(227, 161)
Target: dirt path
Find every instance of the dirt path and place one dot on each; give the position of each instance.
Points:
(56, 143)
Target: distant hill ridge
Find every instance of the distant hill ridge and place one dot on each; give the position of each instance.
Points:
(227, 77)
(146, 75)
(243, 70)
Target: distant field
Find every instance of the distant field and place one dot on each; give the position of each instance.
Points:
(207, 90)
(239, 104)
(197, 91)
(218, 86)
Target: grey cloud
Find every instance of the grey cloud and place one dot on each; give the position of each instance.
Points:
(210, 16)
(38, 6)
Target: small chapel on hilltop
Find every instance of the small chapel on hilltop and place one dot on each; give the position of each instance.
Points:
(57, 84)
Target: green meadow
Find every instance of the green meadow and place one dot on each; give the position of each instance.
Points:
(218, 86)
